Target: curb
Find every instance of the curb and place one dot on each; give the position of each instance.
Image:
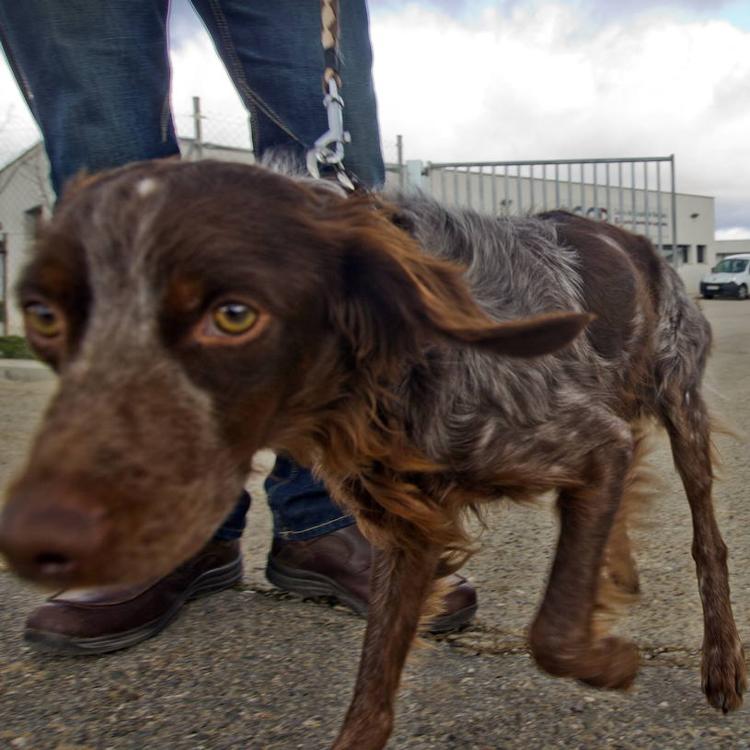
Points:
(24, 371)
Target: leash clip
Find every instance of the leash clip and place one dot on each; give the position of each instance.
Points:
(329, 148)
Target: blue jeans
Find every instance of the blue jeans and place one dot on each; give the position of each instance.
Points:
(96, 77)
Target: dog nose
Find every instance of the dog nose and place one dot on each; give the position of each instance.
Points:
(52, 538)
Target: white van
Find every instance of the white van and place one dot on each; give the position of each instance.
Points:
(731, 278)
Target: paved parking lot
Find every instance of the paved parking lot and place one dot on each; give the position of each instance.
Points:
(252, 668)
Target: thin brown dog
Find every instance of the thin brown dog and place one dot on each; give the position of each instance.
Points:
(424, 361)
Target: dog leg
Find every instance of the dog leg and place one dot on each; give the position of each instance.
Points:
(401, 583)
(562, 636)
(640, 487)
(619, 561)
(723, 671)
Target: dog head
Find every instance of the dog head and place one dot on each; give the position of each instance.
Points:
(196, 312)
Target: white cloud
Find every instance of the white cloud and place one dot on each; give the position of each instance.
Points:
(733, 233)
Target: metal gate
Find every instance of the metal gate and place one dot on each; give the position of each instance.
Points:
(636, 193)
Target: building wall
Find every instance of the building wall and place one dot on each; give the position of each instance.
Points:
(696, 228)
(26, 197)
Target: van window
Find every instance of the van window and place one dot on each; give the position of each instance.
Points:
(731, 265)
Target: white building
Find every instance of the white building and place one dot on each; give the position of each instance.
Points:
(26, 196)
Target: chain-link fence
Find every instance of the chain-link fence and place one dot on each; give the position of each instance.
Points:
(200, 129)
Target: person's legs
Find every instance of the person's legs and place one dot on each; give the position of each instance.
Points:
(273, 52)
(300, 504)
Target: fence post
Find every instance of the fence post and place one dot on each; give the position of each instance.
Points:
(197, 128)
(675, 259)
(400, 160)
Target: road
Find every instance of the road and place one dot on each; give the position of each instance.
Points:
(253, 668)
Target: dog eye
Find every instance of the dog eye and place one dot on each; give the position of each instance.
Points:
(42, 320)
(234, 318)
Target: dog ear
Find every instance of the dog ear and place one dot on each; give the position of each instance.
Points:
(395, 297)
(527, 337)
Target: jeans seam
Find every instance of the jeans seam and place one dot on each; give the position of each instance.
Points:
(286, 534)
(166, 106)
(239, 74)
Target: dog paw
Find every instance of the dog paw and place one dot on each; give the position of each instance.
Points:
(606, 663)
(724, 675)
(611, 663)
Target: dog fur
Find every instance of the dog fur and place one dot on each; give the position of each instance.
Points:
(424, 360)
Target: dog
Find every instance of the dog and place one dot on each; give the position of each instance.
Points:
(424, 360)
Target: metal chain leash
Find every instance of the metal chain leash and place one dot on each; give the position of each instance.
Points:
(329, 148)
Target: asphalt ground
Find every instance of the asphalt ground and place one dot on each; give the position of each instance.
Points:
(254, 668)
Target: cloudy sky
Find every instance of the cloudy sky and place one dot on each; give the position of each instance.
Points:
(527, 79)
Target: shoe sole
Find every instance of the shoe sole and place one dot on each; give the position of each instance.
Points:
(309, 584)
(210, 582)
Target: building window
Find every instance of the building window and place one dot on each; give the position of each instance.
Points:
(700, 251)
(32, 217)
(666, 251)
(683, 253)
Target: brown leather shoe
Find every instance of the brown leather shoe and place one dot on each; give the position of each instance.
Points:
(337, 565)
(96, 621)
